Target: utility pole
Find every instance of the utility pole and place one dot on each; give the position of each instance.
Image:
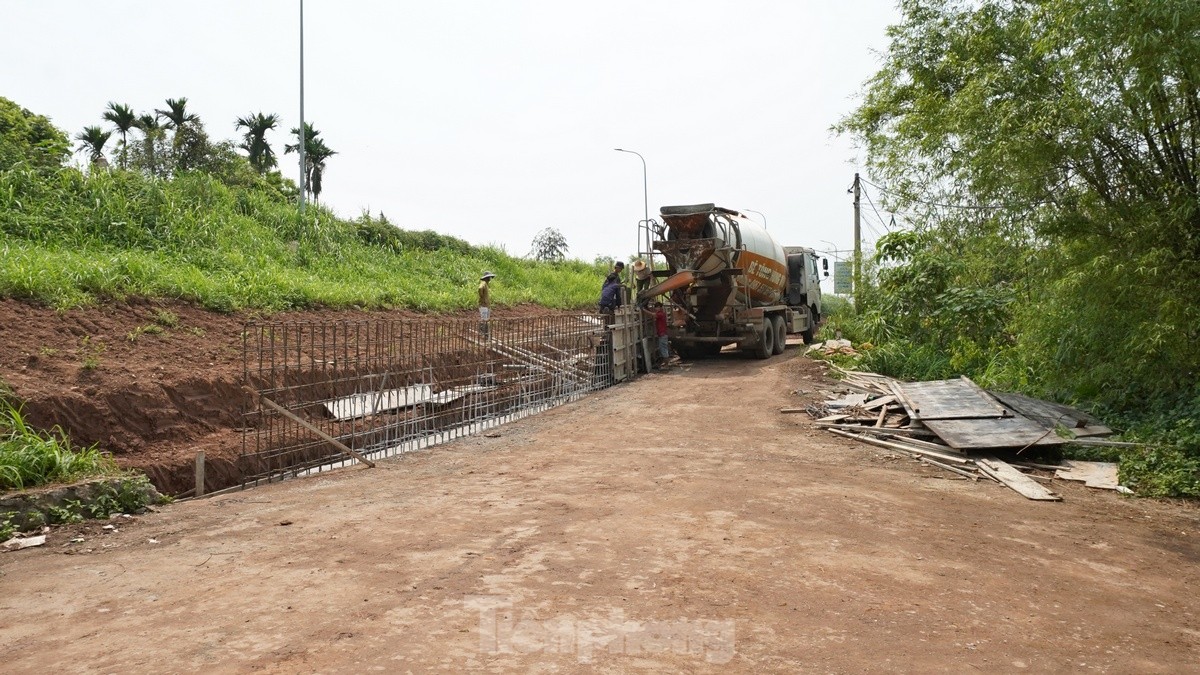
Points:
(303, 167)
(857, 243)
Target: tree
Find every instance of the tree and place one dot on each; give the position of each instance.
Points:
(92, 140)
(315, 155)
(30, 138)
(178, 119)
(149, 158)
(254, 141)
(123, 119)
(549, 245)
(1036, 123)
(176, 113)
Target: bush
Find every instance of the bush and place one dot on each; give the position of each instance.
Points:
(29, 458)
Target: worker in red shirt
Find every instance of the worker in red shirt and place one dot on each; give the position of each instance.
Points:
(660, 331)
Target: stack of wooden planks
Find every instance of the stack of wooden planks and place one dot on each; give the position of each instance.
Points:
(957, 426)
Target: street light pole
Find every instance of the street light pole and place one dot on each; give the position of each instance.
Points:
(303, 176)
(645, 200)
(764, 216)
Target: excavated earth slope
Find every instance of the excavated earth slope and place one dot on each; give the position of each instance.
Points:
(153, 399)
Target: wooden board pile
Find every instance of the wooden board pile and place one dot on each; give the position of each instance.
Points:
(957, 426)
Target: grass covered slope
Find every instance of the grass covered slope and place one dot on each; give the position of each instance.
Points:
(233, 241)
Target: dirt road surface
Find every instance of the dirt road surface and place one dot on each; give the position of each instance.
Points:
(679, 523)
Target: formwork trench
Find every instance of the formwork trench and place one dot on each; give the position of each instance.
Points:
(381, 388)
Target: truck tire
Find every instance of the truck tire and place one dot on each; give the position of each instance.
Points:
(766, 341)
(810, 333)
(780, 334)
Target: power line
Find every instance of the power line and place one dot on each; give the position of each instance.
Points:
(965, 207)
(877, 214)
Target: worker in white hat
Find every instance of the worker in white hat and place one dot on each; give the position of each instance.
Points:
(641, 271)
(485, 302)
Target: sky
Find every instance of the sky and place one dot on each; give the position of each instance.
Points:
(490, 120)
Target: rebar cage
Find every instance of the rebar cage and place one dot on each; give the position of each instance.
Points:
(386, 387)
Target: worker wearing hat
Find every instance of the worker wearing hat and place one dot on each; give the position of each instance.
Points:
(641, 272)
(485, 302)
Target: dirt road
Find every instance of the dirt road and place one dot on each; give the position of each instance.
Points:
(677, 523)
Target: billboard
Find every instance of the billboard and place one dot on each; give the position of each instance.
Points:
(843, 277)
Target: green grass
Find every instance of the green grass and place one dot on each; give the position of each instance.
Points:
(29, 458)
(70, 239)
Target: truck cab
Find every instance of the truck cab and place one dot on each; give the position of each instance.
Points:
(804, 283)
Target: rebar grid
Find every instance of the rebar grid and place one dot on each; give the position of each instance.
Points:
(384, 388)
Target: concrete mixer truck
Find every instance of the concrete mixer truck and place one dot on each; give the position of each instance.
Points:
(729, 282)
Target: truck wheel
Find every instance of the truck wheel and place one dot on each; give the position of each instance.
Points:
(780, 334)
(810, 334)
(766, 341)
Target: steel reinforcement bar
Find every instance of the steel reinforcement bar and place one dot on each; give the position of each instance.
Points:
(333, 392)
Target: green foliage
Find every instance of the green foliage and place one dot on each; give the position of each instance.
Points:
(152, 329)
(29, 457)
(70, 512)
(228, 238)
(166, 318)
(1049, 165)
(549, 245)
(92, 141)
(29, 138)
(254, 140)
(7, 527)
(316, 153)
(90, 352)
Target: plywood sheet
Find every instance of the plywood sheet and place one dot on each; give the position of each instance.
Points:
(995, 433)
(1051, 415)
(949, 400)
(1100, 475)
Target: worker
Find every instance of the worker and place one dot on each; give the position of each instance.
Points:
(641, 272)
(610, 299)
(655, 308)
(485, 303)
(615, 275)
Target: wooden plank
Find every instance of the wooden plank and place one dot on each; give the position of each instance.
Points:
(991, 434)
(324, 436)
(936, 447)
(792, 411)
(950, 399)
(900, 445)
(199, 489)
(907, 404)
(1101, 443)
(847, 401)
(955, 469)
(882, 415)
(1091, 430)
(882, 400)
(1015, 480)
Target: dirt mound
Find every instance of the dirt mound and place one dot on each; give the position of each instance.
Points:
(153, 382)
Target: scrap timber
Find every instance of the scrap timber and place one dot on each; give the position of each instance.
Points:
(958, 426)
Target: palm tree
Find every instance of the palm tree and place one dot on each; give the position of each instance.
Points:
(150, 128)
(176, 113)
(254, 141)
(315, 154)
(123, 119)
(92, 140)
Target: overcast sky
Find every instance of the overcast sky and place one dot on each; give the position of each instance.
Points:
(490, 120)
